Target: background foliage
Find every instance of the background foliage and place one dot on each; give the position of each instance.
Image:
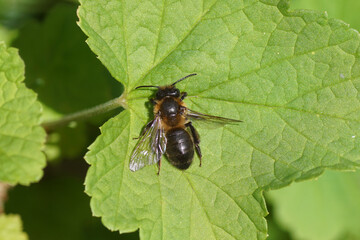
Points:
(49, 42)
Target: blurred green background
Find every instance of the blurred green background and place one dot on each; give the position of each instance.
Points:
(68, 77)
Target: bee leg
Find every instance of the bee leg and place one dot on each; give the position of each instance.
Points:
(145, 129)
(159, 163)
(183, 95)
(196, 139)
(158, 154)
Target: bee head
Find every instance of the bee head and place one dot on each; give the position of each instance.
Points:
(170, 90)
(165, 91)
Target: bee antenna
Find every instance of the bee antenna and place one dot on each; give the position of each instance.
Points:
(190, 75)
(147, 86)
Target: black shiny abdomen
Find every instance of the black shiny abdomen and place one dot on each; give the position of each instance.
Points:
(179, 148)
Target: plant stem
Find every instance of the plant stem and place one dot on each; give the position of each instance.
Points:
(84, 114)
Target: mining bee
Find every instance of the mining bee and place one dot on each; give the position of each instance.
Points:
(171, 131)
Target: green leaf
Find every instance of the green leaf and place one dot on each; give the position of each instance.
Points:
(321, 210)
(347, 10)
(21, 137)
(11, 228)
(292, 77)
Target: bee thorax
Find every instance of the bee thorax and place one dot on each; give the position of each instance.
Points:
(169, 107)
(169, 110)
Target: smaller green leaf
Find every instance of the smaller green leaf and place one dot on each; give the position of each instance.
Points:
(21, 137)
(325, 209)
(11, 228)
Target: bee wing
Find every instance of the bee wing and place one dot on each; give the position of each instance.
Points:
(151, 146)
(193, 115)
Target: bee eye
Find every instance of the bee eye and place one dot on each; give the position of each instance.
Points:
(174, 92)
(160, 94)
(177, 92)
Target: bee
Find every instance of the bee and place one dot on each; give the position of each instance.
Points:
(171, 131)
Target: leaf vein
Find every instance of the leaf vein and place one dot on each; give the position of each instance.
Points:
(201, 204)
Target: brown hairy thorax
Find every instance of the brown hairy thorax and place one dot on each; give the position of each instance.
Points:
(170, 121)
